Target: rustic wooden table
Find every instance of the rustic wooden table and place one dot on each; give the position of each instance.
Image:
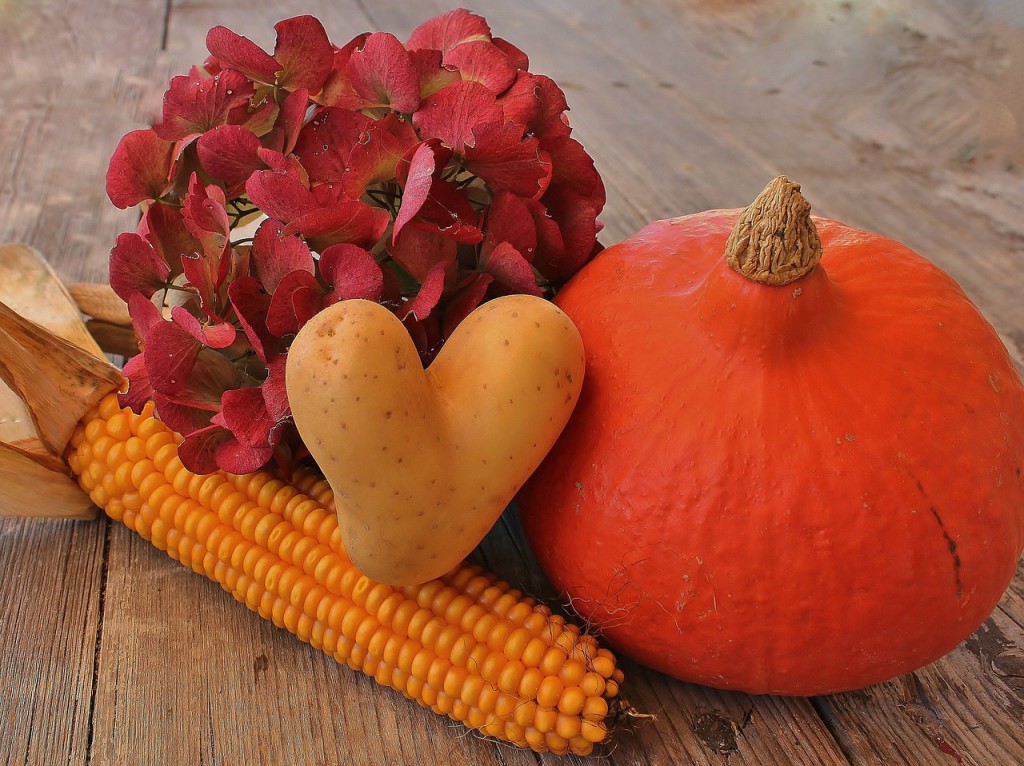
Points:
(901, 117)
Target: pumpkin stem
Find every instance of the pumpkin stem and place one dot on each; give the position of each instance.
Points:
(775, 241)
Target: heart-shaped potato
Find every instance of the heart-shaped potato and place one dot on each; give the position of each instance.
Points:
(423, 462)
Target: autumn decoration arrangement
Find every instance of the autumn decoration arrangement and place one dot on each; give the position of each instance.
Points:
(754, 449)
(428, 176)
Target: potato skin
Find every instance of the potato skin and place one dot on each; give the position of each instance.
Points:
(423, 462)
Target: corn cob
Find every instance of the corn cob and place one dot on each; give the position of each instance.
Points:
(467, 645)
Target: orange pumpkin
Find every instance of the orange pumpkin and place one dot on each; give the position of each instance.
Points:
(782, 476)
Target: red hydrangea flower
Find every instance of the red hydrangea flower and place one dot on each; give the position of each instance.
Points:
(429, 175)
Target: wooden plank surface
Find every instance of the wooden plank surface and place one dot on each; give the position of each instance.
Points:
(905, 118)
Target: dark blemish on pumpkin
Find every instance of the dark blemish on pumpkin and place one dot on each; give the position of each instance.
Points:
(330, 332)
(950, 542)
(400, 460)
(344, 426)
(718, 732)
(381, 332)
(538, 387)
(421, 547)
(537, 325)
(951, 545)
(396, 493)
(373, 485)
(387, 414)
(421, 513)
(384, 448)
(306, 389)
(344, 376)
(515, 315)
(568, 376)
(359, 398)
(451, 489)
(485, 386)
(508, 342)
(568, 398)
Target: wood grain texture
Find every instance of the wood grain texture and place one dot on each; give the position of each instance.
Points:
(904, 118)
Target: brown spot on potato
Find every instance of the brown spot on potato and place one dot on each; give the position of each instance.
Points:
(387, 414)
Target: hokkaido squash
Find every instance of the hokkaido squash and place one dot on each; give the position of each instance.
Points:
(795, 466)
